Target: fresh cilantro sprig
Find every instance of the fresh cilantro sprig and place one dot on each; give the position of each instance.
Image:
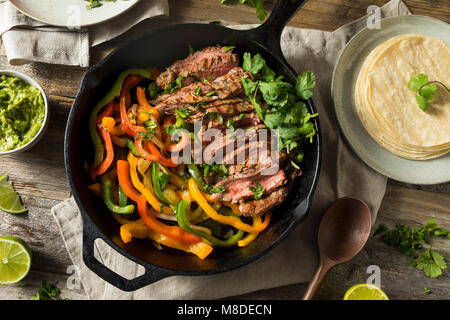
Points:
(256, 4)
(408, 240)
(48, 291)
(279, 104)
(425, 89)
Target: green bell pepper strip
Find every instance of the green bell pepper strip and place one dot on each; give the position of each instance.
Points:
(130, 145)
(156, 184)
(196, 175)
(108, 197)
(184, 224)
(111, 95)
(123, 199)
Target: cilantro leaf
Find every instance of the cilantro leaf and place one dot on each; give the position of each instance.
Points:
(425, 89)
(304, 85)
(252, 65)
(48, 291)
(257, 190)
(431, 262)
(416, 82)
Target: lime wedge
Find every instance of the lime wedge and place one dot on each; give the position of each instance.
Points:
(15, 260)
(365, 291)
(9, 199)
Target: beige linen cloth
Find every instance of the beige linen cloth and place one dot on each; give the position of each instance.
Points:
(26, 40)
(295, 259)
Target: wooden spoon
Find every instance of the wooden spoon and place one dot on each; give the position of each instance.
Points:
(343, 232)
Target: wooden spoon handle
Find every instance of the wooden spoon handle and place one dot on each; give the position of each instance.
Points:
(320, 274)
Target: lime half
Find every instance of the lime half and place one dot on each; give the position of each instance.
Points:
(15, 260)
(365, 291)
(9, 199)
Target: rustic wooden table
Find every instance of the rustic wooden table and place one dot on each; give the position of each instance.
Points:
(39, 176)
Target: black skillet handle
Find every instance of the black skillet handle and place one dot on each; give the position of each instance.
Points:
(151, 275)
(269, 33)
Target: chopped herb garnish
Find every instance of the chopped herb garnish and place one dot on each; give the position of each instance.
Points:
(150, 125)
(228, 48)
(220, 169)
(198, 91)
(408, 240)
(48, 291)
(209, 94)
(258, 191)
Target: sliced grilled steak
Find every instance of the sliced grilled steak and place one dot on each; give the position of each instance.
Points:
(238, 188)
(210, 62)
(253, 208)
(224, 87)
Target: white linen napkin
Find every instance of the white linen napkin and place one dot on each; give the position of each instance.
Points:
(294, 260)
(27, 40)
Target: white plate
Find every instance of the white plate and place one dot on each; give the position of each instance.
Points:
(342, 90)
(69, 13)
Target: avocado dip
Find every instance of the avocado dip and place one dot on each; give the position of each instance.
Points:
(22, 112)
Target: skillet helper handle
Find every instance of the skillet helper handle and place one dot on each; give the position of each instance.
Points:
(269, 33)
(150, 276)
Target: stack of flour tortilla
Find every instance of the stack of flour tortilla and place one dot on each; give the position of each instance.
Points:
(389, 110)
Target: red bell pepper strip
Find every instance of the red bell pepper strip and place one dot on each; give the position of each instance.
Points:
(106, 137)
(140, 93)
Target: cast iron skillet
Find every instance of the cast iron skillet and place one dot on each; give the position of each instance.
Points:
(160, 48)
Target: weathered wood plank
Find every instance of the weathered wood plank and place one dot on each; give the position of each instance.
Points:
(39, 229)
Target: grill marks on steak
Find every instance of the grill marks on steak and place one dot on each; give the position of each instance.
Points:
(225, 87)
(210, 62)
(227, 104)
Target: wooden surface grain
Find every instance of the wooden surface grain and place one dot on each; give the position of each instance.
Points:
(39, 176)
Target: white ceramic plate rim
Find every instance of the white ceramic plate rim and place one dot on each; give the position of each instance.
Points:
(44, 126)
(131, 3)
(378, 161)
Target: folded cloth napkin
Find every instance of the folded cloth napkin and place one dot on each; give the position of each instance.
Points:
(27, 40)
(294, 260)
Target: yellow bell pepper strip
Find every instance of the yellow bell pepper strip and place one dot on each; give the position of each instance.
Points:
(110, 96)
(257, 221)
(195, 173)
(175, 232)
(232, 206)
(138, 229)
(236, 222)
(96, 188)
(184, 223)
(109, 123)
(108, 198)
(156, 205)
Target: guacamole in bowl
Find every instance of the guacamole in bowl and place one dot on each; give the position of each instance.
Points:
(23, 112)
